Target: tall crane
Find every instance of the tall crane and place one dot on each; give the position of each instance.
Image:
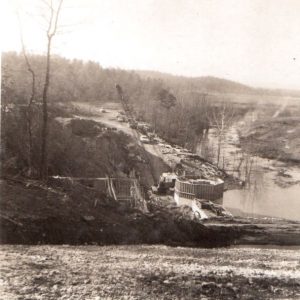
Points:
(125, 105)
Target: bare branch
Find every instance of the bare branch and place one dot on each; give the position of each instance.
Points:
(56, 17)
(31, 100)
(29, 67)
(50, 20)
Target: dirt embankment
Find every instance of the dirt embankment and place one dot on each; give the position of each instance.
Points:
(33, 214)
(148, 272)
(275, 138)
(259, 231)
(85, 148)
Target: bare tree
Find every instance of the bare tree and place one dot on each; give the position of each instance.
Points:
(30, 104)
(51, 31)
(221, 117)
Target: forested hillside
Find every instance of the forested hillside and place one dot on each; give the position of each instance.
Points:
(214, 85)
(178, 108)
(205, 84)
(71, 80)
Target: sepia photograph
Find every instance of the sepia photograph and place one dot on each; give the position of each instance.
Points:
(150, 149)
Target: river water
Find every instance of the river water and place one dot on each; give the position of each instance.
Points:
(272, 187)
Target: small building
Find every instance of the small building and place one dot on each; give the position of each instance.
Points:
(188, 188)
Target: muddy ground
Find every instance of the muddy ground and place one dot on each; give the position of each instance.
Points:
(275, 138)
(148, 272)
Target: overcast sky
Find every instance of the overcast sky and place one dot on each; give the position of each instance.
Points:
(256, 42)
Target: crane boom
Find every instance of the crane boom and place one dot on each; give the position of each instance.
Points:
(125, 104)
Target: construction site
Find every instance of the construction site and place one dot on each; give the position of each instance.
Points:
(133, 216)
(120, 173)
(150, 150)
(177, 176)
(115, 182)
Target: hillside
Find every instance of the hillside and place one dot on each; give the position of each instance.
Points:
(33, 213)
(76, 80)
(205, 84)
(210, 84)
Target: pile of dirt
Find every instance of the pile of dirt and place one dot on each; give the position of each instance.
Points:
(32, 213)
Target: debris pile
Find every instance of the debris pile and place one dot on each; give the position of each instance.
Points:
(196, 165)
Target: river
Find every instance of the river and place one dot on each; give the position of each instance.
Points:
(272, 187)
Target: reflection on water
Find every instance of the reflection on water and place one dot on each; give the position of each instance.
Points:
(266, 192)
(274, 201)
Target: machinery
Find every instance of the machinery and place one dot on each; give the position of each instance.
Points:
(166, 184)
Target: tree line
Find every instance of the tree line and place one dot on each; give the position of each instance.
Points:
(181, 117)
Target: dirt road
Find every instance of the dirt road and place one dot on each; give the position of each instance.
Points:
(148, 272)
(109, 118)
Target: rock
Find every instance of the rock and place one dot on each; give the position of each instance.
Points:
(209, 285)
(88, 218)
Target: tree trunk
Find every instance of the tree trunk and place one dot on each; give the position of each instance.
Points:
(29, 122)
(30, 144)
(219, 149)
(44, 147)
(29, 110)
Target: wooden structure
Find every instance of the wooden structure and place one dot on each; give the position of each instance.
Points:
(128, 191)
(188, 188)
(125, 190)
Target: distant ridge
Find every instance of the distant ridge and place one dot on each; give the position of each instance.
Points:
(211, 84)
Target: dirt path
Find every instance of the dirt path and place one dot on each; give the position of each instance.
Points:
(148, 272)
(108, 119)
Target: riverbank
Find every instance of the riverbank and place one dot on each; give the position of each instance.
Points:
(271, 186)
(275, 138)
(148, 272)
